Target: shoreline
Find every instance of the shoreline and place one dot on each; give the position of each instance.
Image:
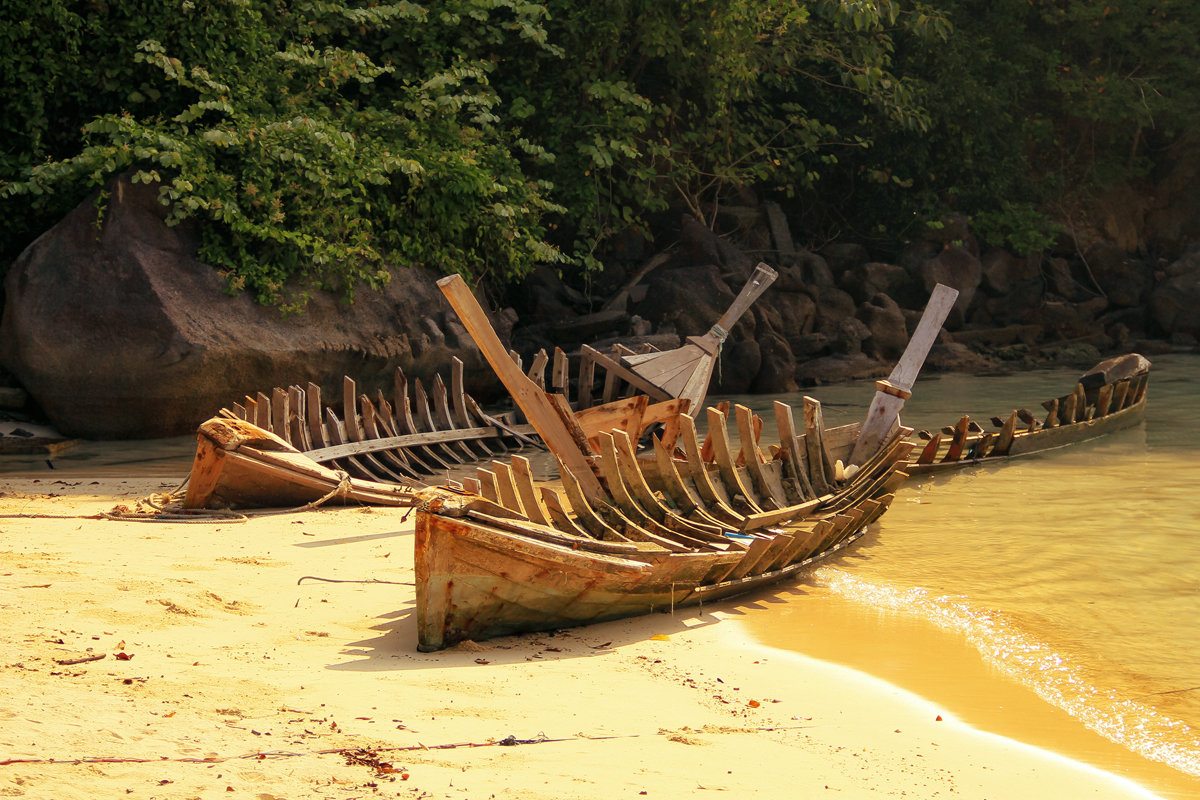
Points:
(939, 666)
(243, 676)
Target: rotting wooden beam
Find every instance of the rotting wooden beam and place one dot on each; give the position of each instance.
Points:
(532, 400)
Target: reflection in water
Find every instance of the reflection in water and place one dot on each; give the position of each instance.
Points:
(1076, 572)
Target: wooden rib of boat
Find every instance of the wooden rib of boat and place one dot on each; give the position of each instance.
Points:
(674, 528)
(1109, 397)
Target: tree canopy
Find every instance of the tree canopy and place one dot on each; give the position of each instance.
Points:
(323, 143)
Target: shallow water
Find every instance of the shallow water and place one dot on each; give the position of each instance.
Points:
(1075, 573)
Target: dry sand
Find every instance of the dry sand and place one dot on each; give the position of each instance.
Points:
(227, 673)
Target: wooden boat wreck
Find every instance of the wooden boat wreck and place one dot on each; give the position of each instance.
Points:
(693, 522)
(504, 555)
(424, 435)
(1109, 397)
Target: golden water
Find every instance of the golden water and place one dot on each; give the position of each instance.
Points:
(1074, 574)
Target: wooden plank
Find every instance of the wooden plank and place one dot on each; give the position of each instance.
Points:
(551, 501)
(615, 483)
(559, 373)
(263, 408)
(426, 422)
(525, 394)
(296, 424)
(587, 374)
(625, 415)
(562, 407)
(407, 426)
(714, 502)
(785, 422)
(1005, 439)
(819, 469)
(279, 416)
(959, 440)
(748, 438)
(336, 433)
(388, 427)
(1052, 419)
(883, 416)
(522, 477)
(1081, 403)
(930, 450)
(614, 370)
(723, 457)
(627, 462)
(585, 514)
(313, 415)
(1120, 393)
(780, 516)
(537, 369)
(391, 461)
(1066, 409)
(509, 497)
(519, 432)
(489, 487)
(362, 464)
(681, 494)
(445, 421)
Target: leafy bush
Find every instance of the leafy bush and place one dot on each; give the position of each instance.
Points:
(318, 162)
(326, 142)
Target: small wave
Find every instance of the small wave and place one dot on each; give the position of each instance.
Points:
(1022, 657)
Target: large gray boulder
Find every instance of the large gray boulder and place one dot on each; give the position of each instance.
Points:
(118, 331)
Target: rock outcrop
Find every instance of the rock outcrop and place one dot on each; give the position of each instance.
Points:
(118, 331)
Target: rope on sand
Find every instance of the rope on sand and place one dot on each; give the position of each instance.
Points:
(167, 509)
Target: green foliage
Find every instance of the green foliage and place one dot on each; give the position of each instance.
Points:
(1018, 226)
(685, 103)
(318, 162)
(1034, 105)
(323, 143)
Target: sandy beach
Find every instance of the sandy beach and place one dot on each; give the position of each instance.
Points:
(229, 669)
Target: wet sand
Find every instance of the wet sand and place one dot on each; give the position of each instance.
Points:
(230, 671)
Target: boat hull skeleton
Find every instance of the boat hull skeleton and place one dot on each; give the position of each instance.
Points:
(1108, 398)
(420, 435)
(507, 556)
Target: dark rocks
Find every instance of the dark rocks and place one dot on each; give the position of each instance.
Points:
(703, 246)
(1175, 303)
(688, 299)
(956, 357)
(885, 321)
(840, 368)
(867, 280)
(797, 313)
(805, 270)
(849, 335)
(122, 333)
(957, 268)
(833, 306)
(737, 368)
(777, 368)
(1124, 279)
(1004, 273)
(845, 256)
